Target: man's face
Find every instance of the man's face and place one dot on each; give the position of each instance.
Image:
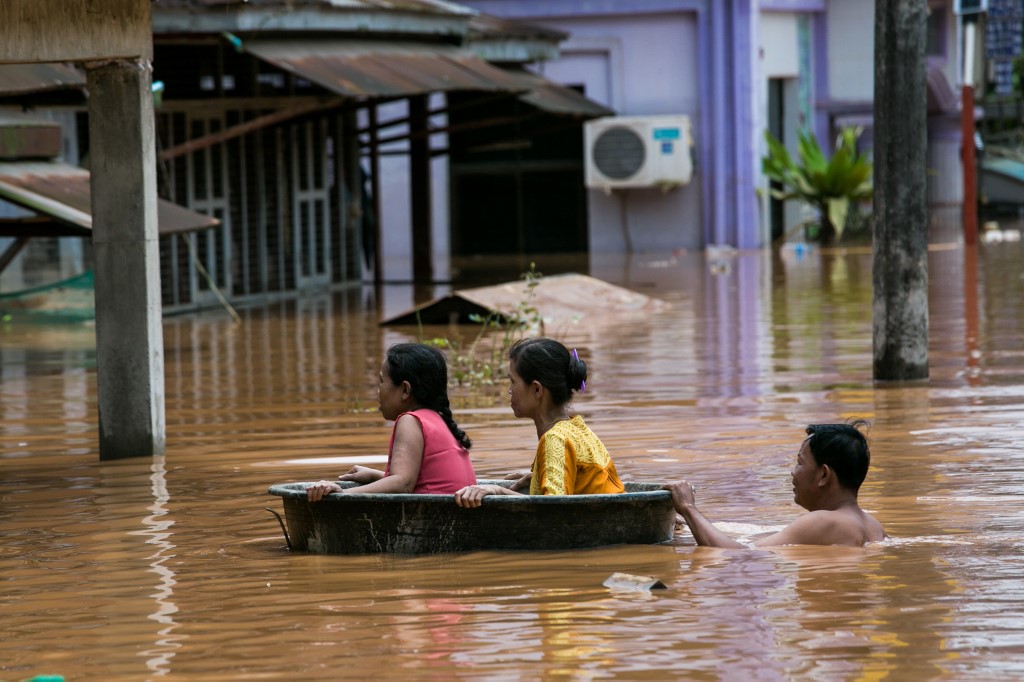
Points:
(806, 474)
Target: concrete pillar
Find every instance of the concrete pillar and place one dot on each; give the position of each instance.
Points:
(900, 261)
(129, 333)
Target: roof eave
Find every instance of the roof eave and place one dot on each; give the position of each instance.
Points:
(514, 51)
(248, 19)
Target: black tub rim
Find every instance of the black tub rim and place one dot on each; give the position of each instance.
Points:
(650, 491)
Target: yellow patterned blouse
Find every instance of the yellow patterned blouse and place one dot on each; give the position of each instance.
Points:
(572, 460)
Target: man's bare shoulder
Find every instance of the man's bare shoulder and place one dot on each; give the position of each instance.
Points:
(848, 526)
(850, 523)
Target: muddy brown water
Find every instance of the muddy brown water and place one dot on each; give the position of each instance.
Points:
(170, 568)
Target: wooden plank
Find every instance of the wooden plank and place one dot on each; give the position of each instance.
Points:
(11, 252)
(255, 124)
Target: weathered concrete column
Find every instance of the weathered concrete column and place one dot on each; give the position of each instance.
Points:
(129, 333)
(900, 272)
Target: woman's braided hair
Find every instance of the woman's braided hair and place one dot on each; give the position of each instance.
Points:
(426, 370)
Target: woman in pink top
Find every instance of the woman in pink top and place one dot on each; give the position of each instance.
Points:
(428, 452)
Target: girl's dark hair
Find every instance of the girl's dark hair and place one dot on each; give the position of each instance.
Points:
(550, 363)
(426, 370)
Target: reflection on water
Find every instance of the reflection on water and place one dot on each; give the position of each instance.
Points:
(170, 567)
(158, 534)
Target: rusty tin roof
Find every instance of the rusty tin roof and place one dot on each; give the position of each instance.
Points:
(62, 192)
(557, 99)
(384, 69)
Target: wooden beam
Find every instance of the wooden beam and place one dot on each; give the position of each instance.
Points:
(471, 125)
(255, 124)
(40, 227)
(11, 252)
(448, 108)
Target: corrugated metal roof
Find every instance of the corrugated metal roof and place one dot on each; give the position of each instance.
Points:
(557, 99)
(21, 79)
(379, 69)
(62, 192)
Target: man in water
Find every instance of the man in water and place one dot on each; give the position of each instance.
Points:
(830, 467)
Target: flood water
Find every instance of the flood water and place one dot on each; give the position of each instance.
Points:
(171, 568)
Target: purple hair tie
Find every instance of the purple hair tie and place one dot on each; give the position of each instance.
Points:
(583, 384)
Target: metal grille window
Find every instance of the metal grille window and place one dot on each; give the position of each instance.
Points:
(277, 192)
(311, 198)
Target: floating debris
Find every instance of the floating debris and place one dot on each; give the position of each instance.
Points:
(626, 581)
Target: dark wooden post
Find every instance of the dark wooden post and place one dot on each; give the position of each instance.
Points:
(352, 208)
(900, 210)
(378, 229)
(419, 177)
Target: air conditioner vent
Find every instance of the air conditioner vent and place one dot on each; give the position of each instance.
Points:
(619, 153)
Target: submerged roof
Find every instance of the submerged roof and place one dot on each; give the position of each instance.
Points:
(560, 299)
(62, 192)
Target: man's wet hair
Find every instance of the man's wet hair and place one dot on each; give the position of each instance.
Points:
(844, 448)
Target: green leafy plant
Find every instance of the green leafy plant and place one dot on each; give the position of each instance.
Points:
(482, 362)
(830, 185)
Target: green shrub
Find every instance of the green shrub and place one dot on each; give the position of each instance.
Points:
(829, 185)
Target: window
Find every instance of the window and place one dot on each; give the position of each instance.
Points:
(935, 45)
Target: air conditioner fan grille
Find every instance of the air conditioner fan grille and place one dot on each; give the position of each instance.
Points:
(618, 153)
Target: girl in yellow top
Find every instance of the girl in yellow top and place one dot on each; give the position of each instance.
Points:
(571, 459)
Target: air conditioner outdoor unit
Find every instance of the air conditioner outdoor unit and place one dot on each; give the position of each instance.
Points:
(638, 151)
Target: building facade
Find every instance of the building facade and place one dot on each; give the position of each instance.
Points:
(736, 68)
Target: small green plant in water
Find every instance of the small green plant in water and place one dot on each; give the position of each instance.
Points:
(830, 185)
(482, 362)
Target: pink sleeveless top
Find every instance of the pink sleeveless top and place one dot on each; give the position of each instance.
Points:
(445, 467)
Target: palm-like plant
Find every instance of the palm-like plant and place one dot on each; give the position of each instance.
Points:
(827, 184)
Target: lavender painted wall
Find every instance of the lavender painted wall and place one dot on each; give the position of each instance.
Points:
(851, 50)
(644, 66)
(692, 57)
